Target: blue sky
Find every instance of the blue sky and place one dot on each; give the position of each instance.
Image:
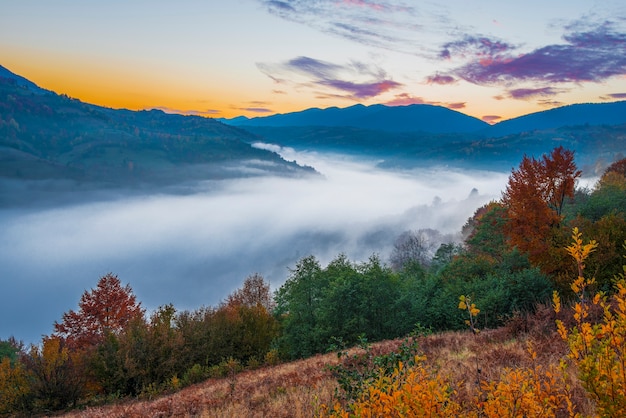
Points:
(490, 59)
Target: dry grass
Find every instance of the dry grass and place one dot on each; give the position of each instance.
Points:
(300, 388)
(294, 389)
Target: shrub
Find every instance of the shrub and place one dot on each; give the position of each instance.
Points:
(597, 349)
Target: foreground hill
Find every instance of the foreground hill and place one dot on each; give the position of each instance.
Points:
(44, 135)
(303, 388)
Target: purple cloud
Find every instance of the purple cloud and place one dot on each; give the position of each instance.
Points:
(491, 118)
(405, 99)
(524, 94)
(206, 112)
(457, 105)
(588, 56)
(442, 79)
(256, 109)
(474, 46)
(325, 75)
(617, 95)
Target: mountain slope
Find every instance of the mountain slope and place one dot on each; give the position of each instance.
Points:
(45, 135)
(412, 118)
(572, 115)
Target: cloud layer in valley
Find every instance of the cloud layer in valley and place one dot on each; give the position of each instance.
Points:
(193, 249)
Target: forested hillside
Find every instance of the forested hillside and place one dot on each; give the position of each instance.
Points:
(47, 136)
(516, 253)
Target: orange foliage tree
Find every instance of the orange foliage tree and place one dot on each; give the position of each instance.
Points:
(107, 308)
(534, 199)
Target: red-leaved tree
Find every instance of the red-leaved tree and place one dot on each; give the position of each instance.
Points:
(534, 199)
(107, 308)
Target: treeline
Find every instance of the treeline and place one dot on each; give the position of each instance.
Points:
(513, 256)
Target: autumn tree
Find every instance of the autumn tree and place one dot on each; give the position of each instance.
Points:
(534, 200)
(254, 292)
(58, 374)
(107, 308)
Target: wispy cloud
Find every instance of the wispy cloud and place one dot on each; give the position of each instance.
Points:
(442, 79)
(321, 75)
(388, 24)
(256, 109)
(617, 95)
(206, 112)
(480, 47)
(405, 99)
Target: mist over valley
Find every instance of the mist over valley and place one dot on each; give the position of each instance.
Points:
(184, 208)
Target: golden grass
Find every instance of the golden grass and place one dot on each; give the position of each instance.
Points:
(294, 389)
(300, 388)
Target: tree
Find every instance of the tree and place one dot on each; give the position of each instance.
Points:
(58, 373)
(107, 308)
(534, 199)
(255, 292)
(297, 305)
(415, 247)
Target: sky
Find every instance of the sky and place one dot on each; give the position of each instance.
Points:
(491, 59)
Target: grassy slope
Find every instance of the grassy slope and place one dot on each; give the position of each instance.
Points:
(298, 389)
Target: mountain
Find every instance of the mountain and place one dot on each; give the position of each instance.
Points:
(570, 115)
(412, 118)
(44, 135)
(21, 81)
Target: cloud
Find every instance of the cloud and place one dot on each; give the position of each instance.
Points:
(317, 74)
(457, 105)
(617, 95)
(528, 93)
(256, 109)
(206, 112)
(405, 99)
(482, 48)
(194, 247)
(591, 56)
(442, 79)
(491, 118)
(387, 24)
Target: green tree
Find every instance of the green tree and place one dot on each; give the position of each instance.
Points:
(297, 306)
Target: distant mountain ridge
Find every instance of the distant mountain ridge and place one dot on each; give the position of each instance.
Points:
(44, 135)
(437, 120)
(411, 118)
(594, 114)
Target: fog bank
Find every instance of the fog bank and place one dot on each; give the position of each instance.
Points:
(194, 249)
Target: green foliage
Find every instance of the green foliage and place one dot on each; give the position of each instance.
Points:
(297, 307)
(360, 368)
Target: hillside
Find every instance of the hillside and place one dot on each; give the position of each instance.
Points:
(302, 388)
(576, 115)
(48, 136)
